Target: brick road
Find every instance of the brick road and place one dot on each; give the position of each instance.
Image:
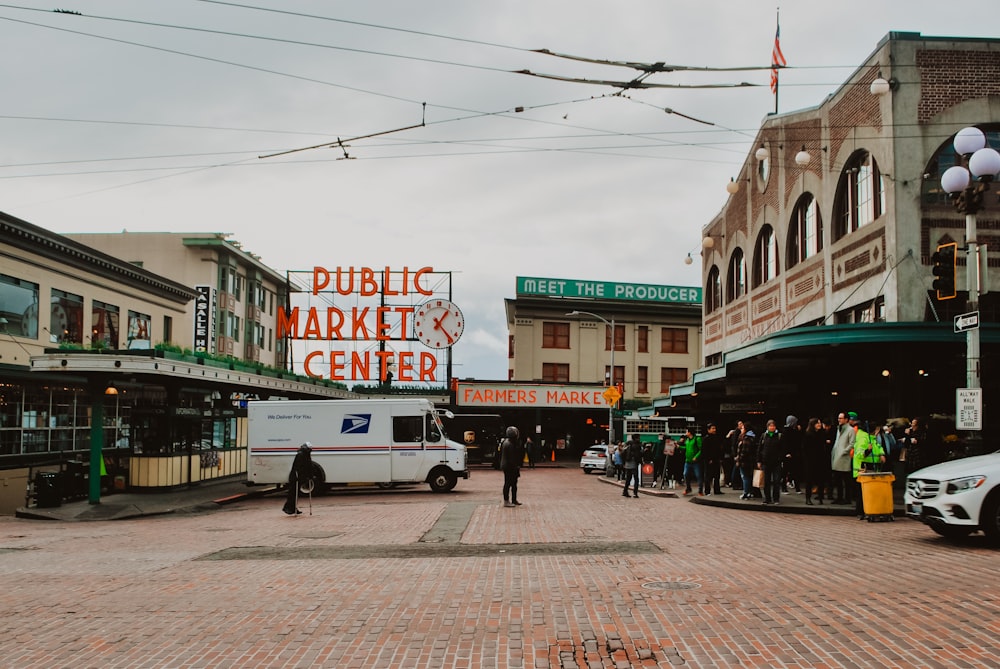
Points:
(577, 577)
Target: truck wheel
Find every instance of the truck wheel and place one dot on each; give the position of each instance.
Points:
(317, 484)
(990, 520)
(386, 485)
(442, 480)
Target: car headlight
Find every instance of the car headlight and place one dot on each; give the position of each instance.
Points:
(964, 484)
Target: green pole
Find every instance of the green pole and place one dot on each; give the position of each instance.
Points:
(96, 442)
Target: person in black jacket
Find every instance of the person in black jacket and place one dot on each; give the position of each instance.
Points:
(815, 464)
(770, 458)
(299, 476)
(711, 453)
(511, 456)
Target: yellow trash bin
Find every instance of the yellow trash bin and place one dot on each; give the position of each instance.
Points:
(876, 493)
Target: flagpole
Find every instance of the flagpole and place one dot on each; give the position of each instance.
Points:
(777, 33)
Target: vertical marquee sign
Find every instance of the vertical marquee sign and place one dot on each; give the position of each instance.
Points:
(204, 319)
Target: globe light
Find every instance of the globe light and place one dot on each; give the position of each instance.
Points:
(802, 158)
(955, 179)
(879, 87)
(761, 154)
(732, 187)
(985, 164)
(969, 140)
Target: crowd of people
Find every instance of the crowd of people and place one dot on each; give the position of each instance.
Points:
(823, 459)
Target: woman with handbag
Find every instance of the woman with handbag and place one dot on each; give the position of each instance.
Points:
(746, 458)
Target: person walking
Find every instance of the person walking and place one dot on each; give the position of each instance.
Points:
(791, 438)
(300, 476)
(770, 458)
(711, 453)
(631, 457)
(692, 462)
(659, 459)
(531, 451)
(511, 455)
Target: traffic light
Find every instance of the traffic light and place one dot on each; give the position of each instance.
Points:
(944, 270)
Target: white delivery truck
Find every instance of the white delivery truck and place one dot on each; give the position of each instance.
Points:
(380, 441)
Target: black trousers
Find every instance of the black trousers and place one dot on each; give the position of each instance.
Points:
(510, 485)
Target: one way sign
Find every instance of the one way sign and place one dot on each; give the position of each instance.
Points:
(969, 321)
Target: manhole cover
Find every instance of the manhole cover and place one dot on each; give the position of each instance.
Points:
(671, 585)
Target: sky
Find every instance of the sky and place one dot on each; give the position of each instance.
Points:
(164, 116)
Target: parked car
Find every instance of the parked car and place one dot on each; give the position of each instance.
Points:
(958, 497)
(594, 459)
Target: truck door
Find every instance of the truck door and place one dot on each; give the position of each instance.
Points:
(407, 448)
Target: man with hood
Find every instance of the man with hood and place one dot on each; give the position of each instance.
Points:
(300, 475)
(511, 455)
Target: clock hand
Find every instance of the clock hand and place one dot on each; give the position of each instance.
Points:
(437, 326)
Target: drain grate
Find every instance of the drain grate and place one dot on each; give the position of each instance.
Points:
(671, 585)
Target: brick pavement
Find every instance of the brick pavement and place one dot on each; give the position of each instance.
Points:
(721, 587)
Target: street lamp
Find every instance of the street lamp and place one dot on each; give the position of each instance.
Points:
(966, 184)
(611, 375)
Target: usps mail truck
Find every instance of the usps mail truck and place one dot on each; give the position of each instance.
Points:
(380, 441)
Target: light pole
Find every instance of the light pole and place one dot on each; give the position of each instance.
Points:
(611, 374)
(966, 184)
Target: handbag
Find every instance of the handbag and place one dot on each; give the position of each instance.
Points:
(758, 478)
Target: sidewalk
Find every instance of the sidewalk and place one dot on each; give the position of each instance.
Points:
(120, 506)
(790, 502)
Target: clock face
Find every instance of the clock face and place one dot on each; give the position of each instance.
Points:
(438, 323)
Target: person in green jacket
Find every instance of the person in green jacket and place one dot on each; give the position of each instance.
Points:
(867, 455)
(692, 462)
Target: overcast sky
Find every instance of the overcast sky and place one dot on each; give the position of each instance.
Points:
(152, 116)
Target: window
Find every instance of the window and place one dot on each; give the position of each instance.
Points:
(555, 335)
(407, 429)
(642, 339)
(868, 312)
(736, 280)
(19, 307)
(66, 313)
(642, 381)
(619, 374)
(765, 257)
(510, 346)
(673, 340)
(860, 195)
(713, 290)
(805, 231)
(168, 328)
(555, 372)
(104, 327)
(139, 330)
(619, 337)
(231, 326)
(670, 376)
(259, 335)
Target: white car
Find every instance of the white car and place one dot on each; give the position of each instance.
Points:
(594, 459)
(958, 497)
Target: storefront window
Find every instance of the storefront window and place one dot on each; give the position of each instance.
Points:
(66, 311)
(138, 330)
(105, 324)
(18, 307)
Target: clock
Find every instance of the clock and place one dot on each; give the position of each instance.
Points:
(438, 323)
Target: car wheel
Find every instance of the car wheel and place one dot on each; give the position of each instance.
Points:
(951, 531)
(990, 520)
(586, 471)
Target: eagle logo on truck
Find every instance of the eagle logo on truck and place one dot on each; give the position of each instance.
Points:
(356, 423)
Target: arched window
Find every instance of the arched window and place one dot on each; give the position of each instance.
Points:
(713, 290)
(736, 279)
(805, 231)
(860, 195)
(765, 257)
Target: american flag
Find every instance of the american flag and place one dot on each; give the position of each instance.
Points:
(777, 59)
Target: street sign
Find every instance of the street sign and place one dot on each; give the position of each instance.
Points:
(611, 396)
(969, 409)
(969, 321)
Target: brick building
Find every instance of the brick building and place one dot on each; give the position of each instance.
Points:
(817, 271)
